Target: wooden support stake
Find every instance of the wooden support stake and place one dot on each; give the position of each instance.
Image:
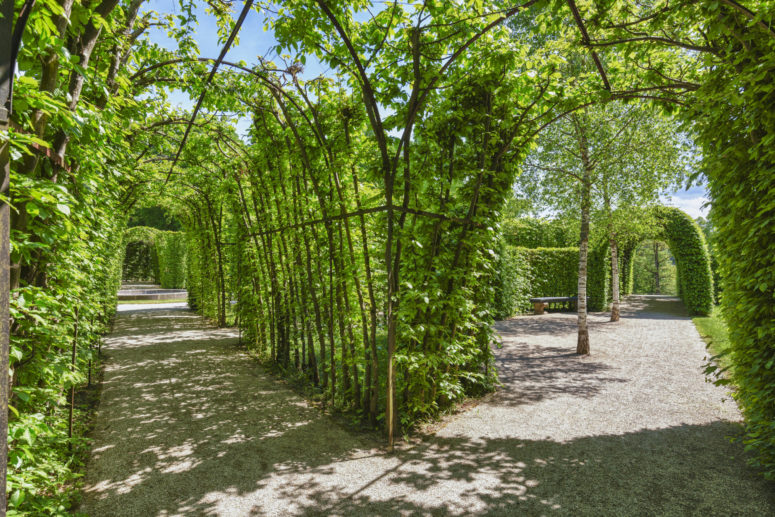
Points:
(72, 388)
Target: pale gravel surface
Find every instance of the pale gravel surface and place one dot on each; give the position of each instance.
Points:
(189, 425)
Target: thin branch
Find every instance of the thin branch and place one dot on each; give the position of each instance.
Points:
(559, 170)
(372, 210)
(224, 50)
(750, 15)
(585, 37)
(656, 39)
(384, 36)
(372, 107)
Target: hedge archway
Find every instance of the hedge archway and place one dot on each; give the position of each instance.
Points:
(141, 262)
(155, 255)
(687, 243)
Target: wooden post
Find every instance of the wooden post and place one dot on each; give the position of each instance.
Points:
(72, 388)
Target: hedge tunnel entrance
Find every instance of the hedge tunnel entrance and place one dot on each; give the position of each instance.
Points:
(654, 269)
(687, 243)
(154, 256)
(141, 263)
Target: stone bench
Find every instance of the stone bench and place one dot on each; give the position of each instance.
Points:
(539, 304)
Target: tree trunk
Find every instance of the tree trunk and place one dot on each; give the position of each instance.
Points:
(370, 349)
(614, 278)
(582, 344)
(6, 23)
(657, 289)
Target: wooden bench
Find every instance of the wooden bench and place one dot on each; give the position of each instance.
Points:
(539, 304)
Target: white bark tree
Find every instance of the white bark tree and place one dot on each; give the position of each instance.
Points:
(603, 164)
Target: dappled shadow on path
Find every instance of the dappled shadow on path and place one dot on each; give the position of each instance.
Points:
(556, 324)
(530, 374)
(185, 413)
(658, 307)
(155, 321)
(189, 425)
(653, 306)
(684, 470)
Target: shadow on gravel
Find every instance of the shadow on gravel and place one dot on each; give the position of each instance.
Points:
(551, 324)
(184, 413)
(654, 307)
(679, 471)
(531, 374)
(138, 321)
(186, 423)
(658, 307)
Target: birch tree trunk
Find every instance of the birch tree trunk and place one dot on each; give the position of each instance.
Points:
(582, 344)
(657, 265)
(614, 278)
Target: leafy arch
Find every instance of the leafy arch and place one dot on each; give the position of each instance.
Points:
(687, 243)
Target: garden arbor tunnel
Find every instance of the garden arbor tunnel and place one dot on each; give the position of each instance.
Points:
(363, 251)
(687, 243)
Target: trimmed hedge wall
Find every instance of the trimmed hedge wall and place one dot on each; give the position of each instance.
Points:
(553, 271)
(141, 264)
(626, 273)
(171, 249)
(540, 233)
(526, 273)
(598, 276)
(512, 285)
(153, 255)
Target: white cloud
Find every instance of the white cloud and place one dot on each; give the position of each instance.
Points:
(694, 206)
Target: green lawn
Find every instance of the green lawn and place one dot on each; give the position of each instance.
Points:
(713, 329)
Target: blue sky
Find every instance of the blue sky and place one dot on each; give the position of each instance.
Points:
(254, 41)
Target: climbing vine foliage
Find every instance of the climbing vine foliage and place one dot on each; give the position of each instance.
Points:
(349, 226)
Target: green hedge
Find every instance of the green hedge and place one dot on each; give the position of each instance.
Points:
(553, 271)
(626, 273)
(540, 233)
(526, 273)
(153, 255)
(512, 285)
(141, 263)
(694, 278)
(734, 123)
(598, 276)
(687, 243)
(171, 251)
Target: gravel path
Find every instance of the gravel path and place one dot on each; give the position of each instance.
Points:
(189, 425)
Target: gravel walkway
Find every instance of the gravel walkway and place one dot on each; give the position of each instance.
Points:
(189, 425)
